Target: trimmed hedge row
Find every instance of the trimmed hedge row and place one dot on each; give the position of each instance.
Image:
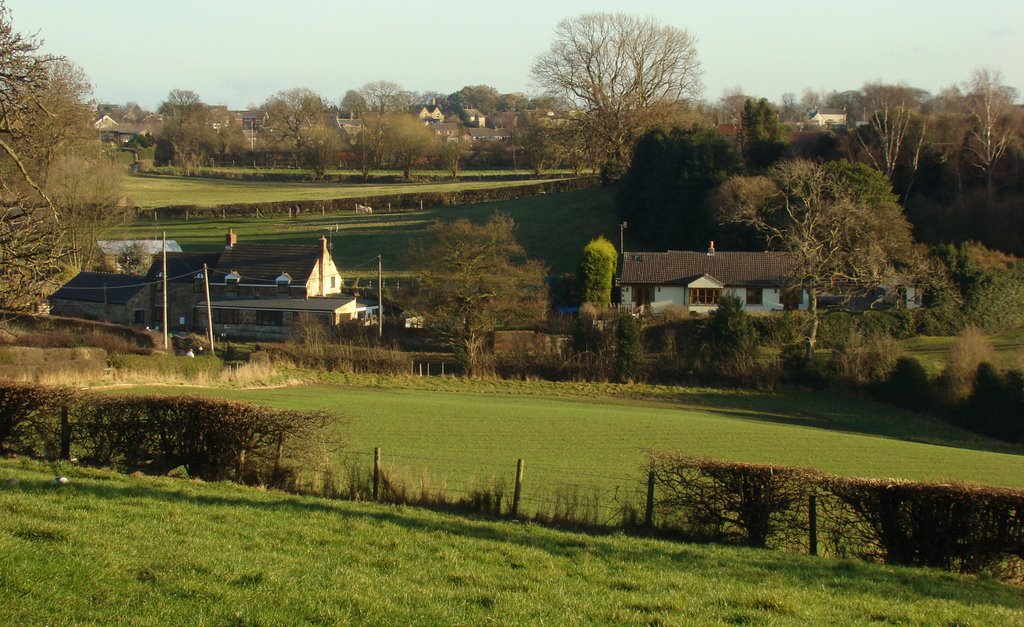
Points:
(211, 439)
(397, 202)
(959, 527)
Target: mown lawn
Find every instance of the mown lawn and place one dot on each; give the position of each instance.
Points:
(112, 549)
(149, 191)
(457, 436)
(553, 228)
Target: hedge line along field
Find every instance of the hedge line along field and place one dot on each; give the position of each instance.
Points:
(110, 548)
(553, 228)
(454, 440)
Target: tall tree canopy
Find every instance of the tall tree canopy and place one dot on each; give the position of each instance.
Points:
(761, 137)
(662, 195)
(621, 75)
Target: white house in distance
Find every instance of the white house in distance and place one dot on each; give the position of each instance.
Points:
(695, 281)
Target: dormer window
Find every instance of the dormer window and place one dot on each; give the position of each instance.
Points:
(231, 283)
(283, 282)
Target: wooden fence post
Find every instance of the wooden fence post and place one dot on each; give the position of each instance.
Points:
(376, 473)
(65, 434)
(649, 511)
(812, 526)
(519, 488)
(278, 457)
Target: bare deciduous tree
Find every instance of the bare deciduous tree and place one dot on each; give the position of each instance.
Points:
(620, 74)
(291, 113)
(475, 279)
(894, 127)
(407, 139)
(85, 190)
(839, 221)
(30, 244)
(990, 105)
(186, 127)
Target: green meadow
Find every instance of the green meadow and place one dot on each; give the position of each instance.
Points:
(110, 548)
(459, 435)
(149, 191)
(552, 227)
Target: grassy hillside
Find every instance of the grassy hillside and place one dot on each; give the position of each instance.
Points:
(554, 228)
(458, 437)
(115, 549)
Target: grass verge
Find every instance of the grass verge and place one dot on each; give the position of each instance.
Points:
(116, 549)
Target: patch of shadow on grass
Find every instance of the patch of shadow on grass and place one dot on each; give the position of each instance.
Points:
(40, 534)
(247, 581)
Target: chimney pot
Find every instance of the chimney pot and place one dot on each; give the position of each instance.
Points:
(711, 249)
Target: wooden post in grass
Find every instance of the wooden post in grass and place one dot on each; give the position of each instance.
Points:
(519, 488)
(65, 434)
(812, 526)
(649, 510)
(278, 457)
(376, 473)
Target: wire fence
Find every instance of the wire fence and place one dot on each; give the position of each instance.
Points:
(539, 491)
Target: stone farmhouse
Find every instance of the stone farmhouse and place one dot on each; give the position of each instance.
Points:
(257, 291)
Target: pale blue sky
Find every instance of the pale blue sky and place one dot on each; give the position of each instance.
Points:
(238, 53)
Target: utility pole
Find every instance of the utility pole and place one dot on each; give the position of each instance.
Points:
(163, 288)
(380, 298)
(209, 308)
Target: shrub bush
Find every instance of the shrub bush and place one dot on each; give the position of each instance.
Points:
(907, 386)
(30, 418)
(780, 329)
(996, 406)
(720, 501)
(205, 367)
(970, 529)
(213, 439)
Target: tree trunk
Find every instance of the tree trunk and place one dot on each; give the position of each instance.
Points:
(812, 328)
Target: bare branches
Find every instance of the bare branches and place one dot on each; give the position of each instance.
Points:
(621, 75)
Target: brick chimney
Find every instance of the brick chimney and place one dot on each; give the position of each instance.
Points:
(230, 239)
(711, 249)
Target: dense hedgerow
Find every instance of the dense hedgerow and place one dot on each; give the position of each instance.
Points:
(966, 528)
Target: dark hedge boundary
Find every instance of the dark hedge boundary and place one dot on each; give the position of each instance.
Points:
(211, 439)
(302, 176)
(398, 202)
(959, 527)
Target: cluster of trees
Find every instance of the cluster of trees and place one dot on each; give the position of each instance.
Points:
(57, 189)
(300, 127)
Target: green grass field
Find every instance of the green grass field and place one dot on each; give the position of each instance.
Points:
(932, 351)
(458, 436)
(112, 549)
(553, 227)
(150, 191)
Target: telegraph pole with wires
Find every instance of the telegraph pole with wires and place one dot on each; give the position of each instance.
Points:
(209, 308)
(163, 288)
(380, 298)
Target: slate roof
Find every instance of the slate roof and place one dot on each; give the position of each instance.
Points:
(261, 264)
(148, 246)
(729, 268)
(181, 267)
(99, 287)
